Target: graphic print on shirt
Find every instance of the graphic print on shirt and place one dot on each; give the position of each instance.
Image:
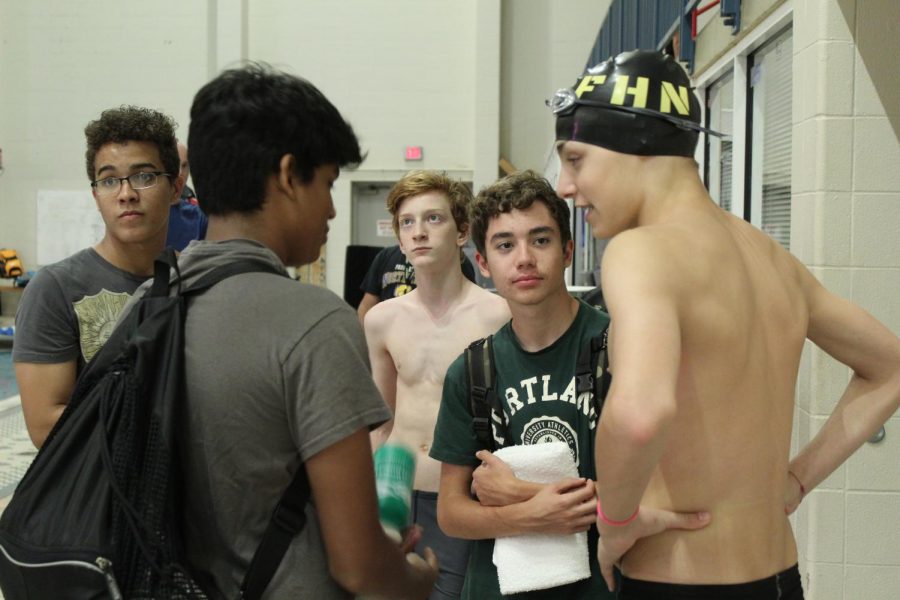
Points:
(402, 277)
(550, 429)
(543, 419)
(97, 317)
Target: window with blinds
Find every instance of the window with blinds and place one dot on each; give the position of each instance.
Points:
(770, 170)
(720, 111)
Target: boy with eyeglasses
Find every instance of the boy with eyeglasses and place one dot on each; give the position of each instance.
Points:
(69, 308)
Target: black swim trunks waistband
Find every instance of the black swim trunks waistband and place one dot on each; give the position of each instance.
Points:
(781, 586)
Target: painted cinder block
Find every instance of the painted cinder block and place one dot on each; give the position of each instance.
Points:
(821, 75)
(834, 153)
(876, 290)
(826, 518)
(867, 102)
(833, 228)
(876, 466)
(876, 156)
(803, 226)
(870, 538)
(822, 20)
(876, 223)
(822, 155)
(826, 581)
(834, 66)
(872, 582)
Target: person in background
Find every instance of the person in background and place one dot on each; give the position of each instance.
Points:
(187, 222)
(391, 275)
(69, 308)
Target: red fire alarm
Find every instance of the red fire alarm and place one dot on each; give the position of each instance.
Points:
(414, 153)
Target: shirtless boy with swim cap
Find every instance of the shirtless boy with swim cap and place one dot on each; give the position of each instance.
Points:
(709, 318)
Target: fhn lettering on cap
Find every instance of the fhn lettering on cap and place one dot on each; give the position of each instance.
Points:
(639, 102)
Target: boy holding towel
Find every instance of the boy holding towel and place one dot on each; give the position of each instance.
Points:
(521, 232)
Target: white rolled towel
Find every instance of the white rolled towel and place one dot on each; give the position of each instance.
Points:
(539, 561)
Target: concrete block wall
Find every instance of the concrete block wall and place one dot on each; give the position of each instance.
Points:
(535, 66)
(845, 224)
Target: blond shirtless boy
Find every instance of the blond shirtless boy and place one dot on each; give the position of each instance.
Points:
(413, 339)
(709, 318)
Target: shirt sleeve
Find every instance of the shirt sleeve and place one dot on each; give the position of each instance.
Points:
(329, 385)
(372, 282)
(46, 325)
(454, 438)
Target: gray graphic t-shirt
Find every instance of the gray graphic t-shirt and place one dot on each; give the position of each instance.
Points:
(69, 309)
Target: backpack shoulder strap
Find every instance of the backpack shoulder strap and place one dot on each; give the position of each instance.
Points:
(167, 262)
(602, 376)
(231, 269)
(482, 375)
(287, 521)
(592, 369)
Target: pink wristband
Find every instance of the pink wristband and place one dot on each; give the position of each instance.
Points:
(800, 483)
(604, 519)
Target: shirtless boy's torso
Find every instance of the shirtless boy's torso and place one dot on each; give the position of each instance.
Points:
(740, 311)
(413, 338)
(419, 346)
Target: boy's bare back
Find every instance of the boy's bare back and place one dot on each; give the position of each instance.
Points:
(741, 311)
(709, 319)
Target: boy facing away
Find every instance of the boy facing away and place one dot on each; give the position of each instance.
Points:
(277, 377)
(709, 318)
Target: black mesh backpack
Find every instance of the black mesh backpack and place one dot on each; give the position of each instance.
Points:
(97, 515)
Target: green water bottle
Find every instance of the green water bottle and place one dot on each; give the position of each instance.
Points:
(395, 469)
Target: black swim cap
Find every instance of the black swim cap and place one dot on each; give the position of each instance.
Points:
(639, 102)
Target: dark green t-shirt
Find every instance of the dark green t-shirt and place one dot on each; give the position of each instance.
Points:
(537, 390)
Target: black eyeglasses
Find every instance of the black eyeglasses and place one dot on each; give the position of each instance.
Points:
(565, 101)
(137, 181)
